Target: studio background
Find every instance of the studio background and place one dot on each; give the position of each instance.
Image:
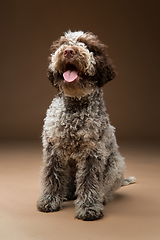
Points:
(131, 31)
(129, 28)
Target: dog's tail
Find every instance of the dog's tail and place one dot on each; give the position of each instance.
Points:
(128, 181)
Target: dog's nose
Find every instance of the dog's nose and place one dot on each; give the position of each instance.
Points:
(69, 52)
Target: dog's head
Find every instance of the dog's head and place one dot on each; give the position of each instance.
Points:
(78, 63)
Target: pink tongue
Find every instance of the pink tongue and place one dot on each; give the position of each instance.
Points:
(70, 76)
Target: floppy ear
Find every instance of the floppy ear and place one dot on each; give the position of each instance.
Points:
(50, 73)
(50, 76)
(107, 72)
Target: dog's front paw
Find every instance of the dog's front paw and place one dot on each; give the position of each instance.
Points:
(49, 204)
(89, 215)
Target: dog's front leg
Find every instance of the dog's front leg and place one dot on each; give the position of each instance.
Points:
(89, 181)
(53, 183)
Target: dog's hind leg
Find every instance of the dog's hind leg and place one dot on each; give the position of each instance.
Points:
(113, 175)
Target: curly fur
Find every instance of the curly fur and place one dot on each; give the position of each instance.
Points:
(80, 155)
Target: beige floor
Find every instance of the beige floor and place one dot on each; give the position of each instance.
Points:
(134, 214)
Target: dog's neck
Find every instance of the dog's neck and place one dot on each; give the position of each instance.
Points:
(74, 104)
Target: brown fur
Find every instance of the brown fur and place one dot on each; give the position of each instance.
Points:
(80, 154)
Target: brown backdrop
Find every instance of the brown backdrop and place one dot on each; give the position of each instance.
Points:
(131, 30)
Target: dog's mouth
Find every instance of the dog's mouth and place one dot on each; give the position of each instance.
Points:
(71, 73)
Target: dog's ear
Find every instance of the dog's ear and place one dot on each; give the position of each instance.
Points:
(50, 76)
(50, 73)
(106, 71)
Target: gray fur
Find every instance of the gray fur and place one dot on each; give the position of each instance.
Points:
(81, 159)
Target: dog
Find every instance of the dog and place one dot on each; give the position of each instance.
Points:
(81, 160)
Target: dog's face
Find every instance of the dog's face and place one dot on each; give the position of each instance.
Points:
(79, 63)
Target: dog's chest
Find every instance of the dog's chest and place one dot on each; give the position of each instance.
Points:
(73, 131)
(77, 131)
